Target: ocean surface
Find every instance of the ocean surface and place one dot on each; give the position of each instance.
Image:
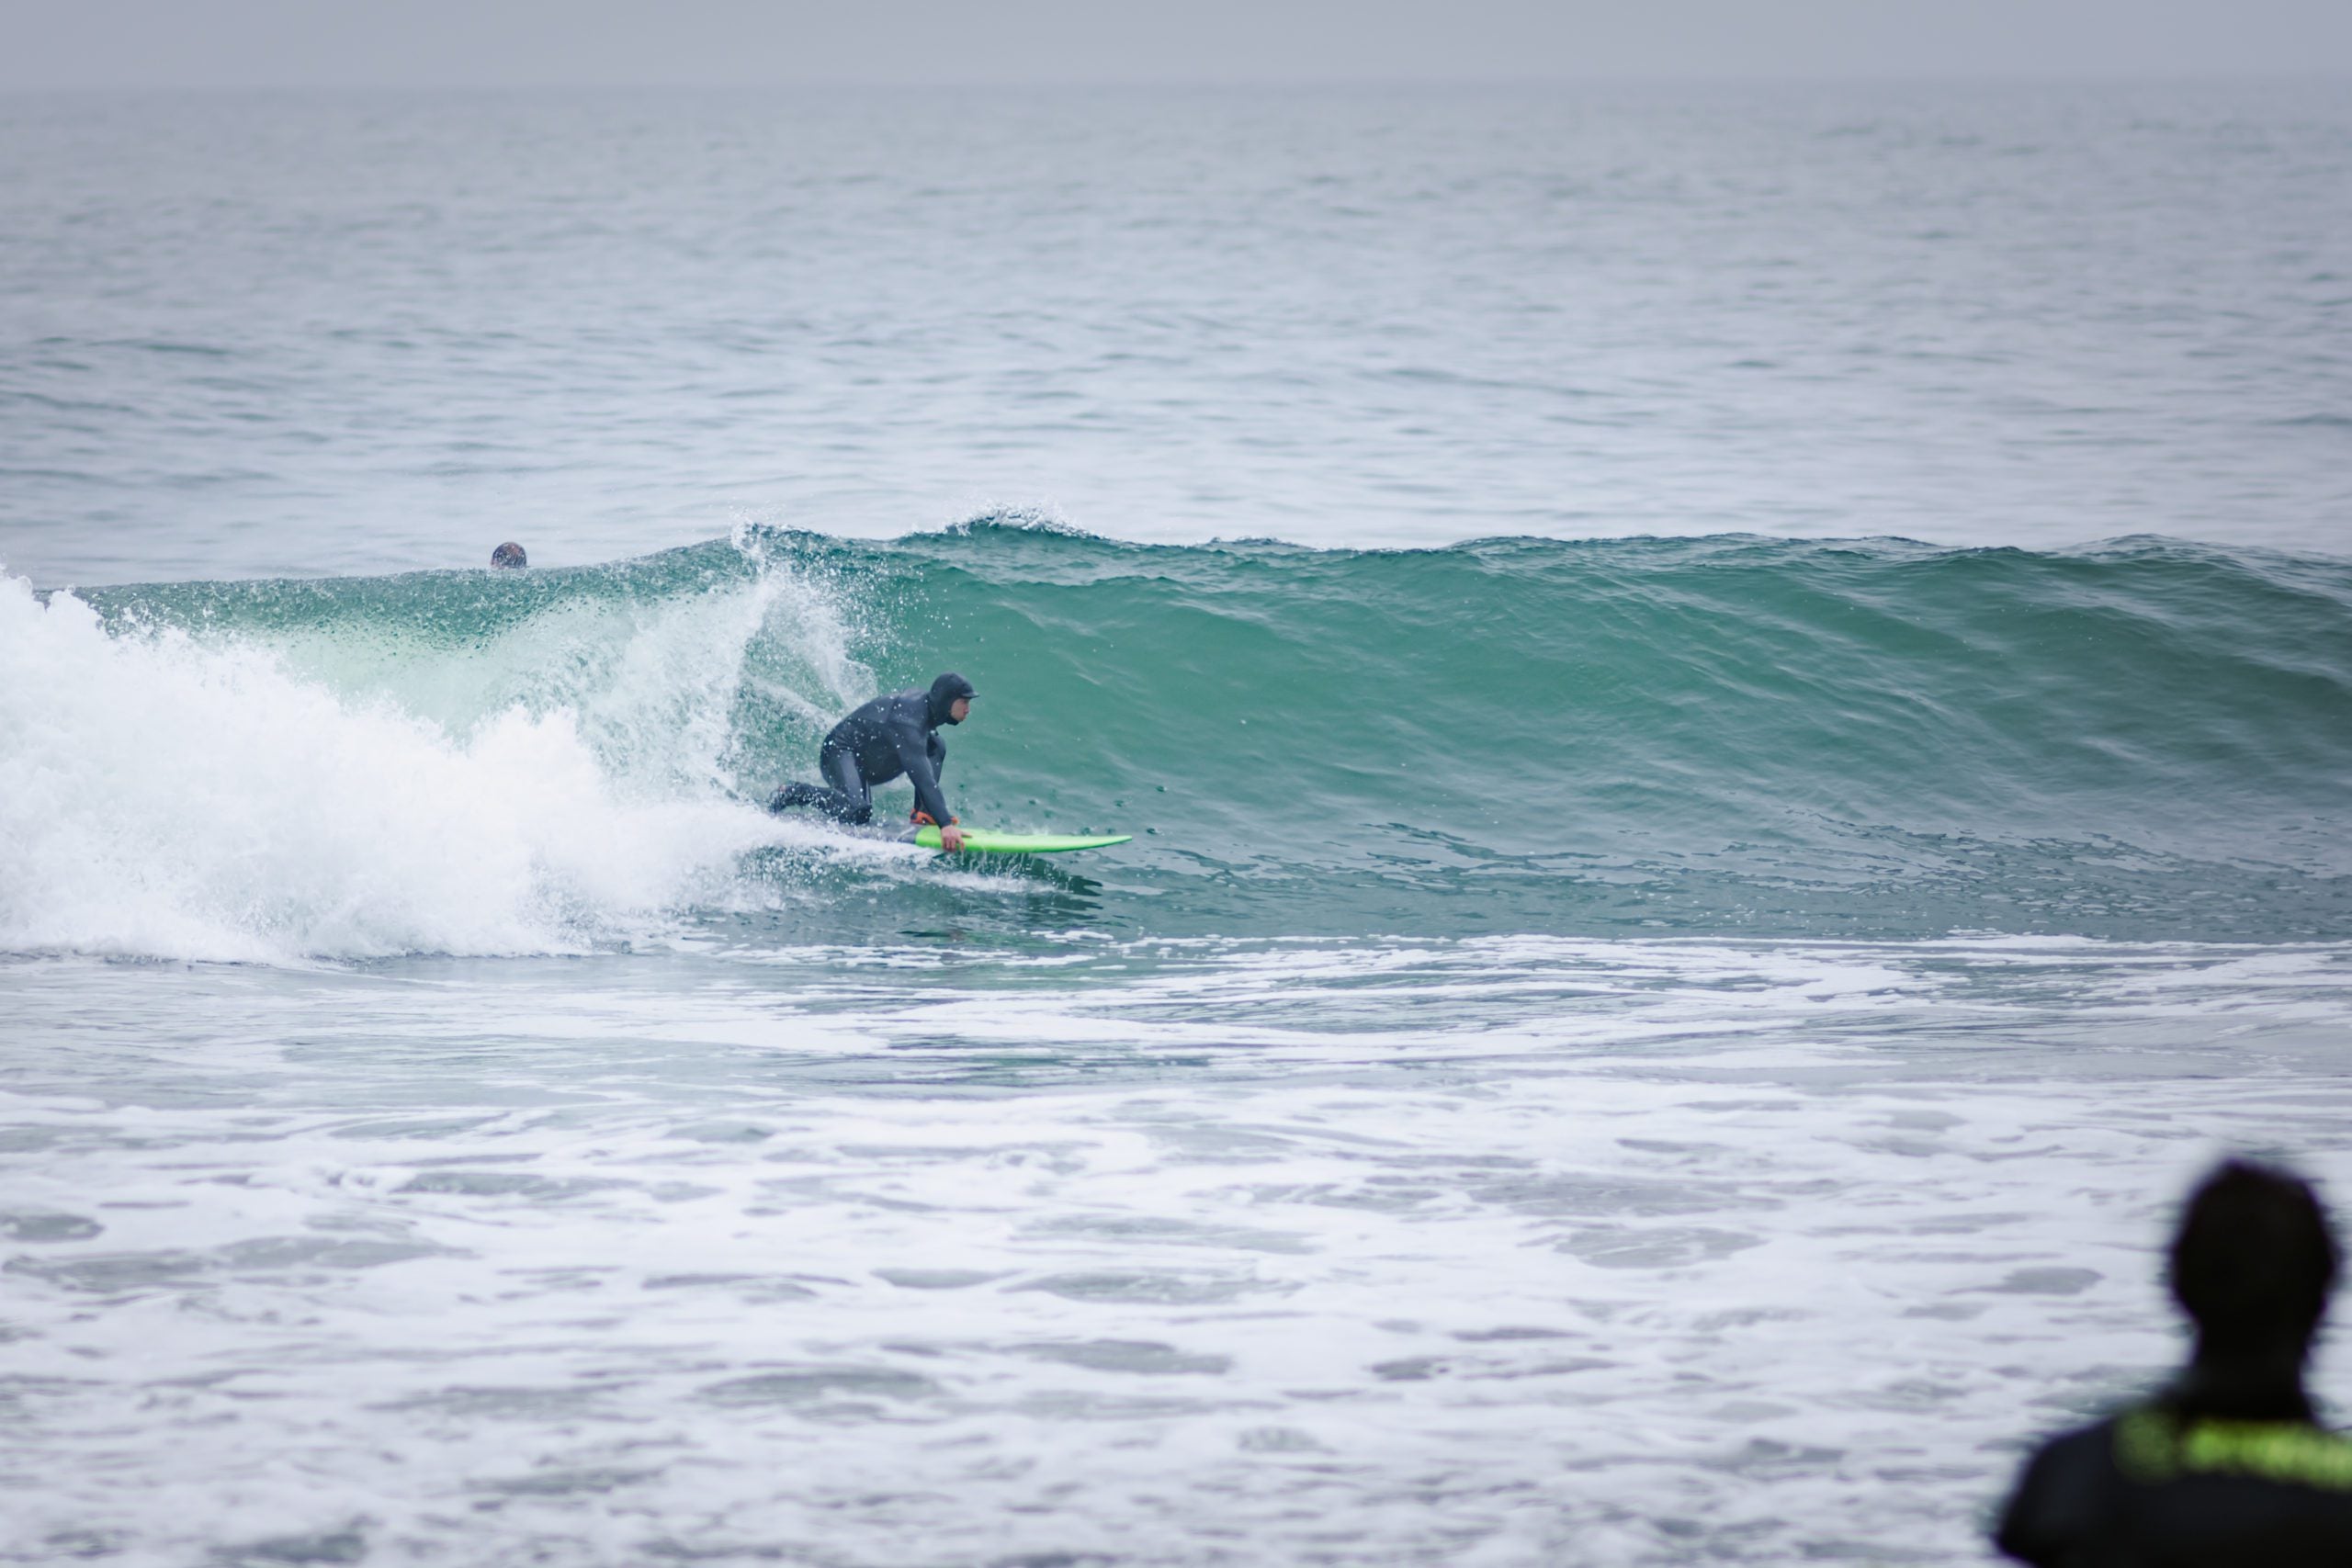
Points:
(1735, 706)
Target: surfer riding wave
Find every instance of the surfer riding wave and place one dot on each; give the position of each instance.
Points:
(893, 735)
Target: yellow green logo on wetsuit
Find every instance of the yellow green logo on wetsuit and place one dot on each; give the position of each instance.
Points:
(2151, 1446)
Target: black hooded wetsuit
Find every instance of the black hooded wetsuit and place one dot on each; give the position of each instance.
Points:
(2190, 1479)
(888, 737)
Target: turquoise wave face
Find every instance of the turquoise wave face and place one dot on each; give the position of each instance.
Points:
(1733, 735)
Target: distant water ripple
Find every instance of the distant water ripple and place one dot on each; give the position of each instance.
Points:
(276, 335)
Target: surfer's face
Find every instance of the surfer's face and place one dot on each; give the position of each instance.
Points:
(959, 710)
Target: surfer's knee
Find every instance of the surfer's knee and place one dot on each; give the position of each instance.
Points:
(839, 804)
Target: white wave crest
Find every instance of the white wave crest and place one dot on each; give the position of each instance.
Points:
(171, 796)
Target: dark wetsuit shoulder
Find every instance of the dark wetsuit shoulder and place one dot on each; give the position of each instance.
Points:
(893, 736)
(2148, 1490)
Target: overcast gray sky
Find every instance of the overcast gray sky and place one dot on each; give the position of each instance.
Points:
(87, 43)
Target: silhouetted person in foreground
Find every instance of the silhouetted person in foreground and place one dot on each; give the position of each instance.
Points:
(2228, 1466)
(509, 554)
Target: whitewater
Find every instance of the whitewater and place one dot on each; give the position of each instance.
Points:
(1735, 709)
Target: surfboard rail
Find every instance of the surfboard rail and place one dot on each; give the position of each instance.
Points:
(983, 840)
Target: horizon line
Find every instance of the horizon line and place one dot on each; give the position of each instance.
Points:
(2338, 76)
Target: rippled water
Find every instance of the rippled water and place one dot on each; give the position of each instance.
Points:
(338, 334)
(1639, 1052)
(1499, 1252)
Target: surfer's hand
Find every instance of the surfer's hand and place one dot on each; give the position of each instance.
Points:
(951, 838)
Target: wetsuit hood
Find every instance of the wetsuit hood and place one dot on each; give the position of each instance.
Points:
(944, 693)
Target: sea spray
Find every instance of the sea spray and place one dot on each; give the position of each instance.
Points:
(163, 793)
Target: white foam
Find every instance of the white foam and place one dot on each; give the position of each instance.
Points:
(169, 798)
(1508, 1250)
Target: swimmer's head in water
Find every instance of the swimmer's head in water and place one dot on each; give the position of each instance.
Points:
(951, 699)
(509, 554)
(2254, 1260)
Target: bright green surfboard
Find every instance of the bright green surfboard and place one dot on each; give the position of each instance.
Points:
(981, 840)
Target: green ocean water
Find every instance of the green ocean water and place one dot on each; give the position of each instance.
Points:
(2146, 739)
